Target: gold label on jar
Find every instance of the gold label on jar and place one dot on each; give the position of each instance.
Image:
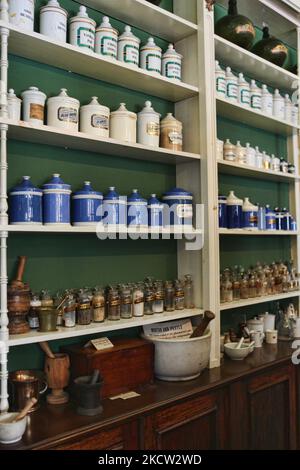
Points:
(114, 303)
(159, 296)
(153, 128)
(68, 114)
(139, 300)
(100, 121)
(84, 306)
(126, 301)
(179, 294)
(150, 298)
(36, 111)
(98, 304)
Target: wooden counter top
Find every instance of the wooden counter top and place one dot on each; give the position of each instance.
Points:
(51, 424)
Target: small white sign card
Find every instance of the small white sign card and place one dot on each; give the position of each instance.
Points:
(170, 330)
(101, 343)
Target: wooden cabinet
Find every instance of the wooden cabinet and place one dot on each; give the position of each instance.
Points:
(194, 424)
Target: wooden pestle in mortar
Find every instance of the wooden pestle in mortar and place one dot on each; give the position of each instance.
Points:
(31, 402)
(200, 330)
(18, 282)
(46, 348)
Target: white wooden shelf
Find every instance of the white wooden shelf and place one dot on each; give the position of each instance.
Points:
(148, 17)
(253, 66)
(94, 328)
(233, 168)
(258, 300)
(35, 46)
(226, 231)
(47, 135)
(236, 112)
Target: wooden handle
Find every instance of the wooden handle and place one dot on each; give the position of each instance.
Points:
(207, 318)
(21, 268)
(46, 348)
(31, 402)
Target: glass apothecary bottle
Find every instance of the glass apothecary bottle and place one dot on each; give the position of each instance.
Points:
(149, 299)
(158, 304)
(244, 286)
(169, 297)
(33, 317)
(189, 301)
(179, 295)
(84, 308)
(113, 304)
(126, 302)
(138, 300)
(69, 311)
(252, 286)
(236, 286)
(98, 303)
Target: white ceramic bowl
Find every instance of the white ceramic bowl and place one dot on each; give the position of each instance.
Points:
(237, 354)
(11, 432)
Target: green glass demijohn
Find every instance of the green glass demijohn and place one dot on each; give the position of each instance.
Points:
(271, 48)
(236, 28)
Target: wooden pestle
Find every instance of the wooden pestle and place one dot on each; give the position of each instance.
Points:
(45, 347)
(31, 402)
(18, 283)
(200, 330)
(94, 377)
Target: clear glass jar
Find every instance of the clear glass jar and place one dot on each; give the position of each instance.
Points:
(189, 301)
(69, 311)
(126, 302)
(179, 295)
(236, 287)
(158, 304)
(98, 303)
(169, 297)
(244, 287)
(114, 304)
(149, 299)
(252, 287)
(33, 317)
(138, 300)
(84, 308)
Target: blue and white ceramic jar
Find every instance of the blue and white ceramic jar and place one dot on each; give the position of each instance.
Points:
(286, 219)
(86, 206)
(25, 204)
(234, 211)
(270, 219)
(56, 201)
(250, 215)
(178, 210)
(155, 212)
(137, 213)
(222, 211)
(114, 209)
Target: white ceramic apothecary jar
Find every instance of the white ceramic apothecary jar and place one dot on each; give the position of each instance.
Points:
(106, 42)
(34, 105)
(150, 57)
(82, 30)
(94, 118)
(13, 105)
(172, 63)
(148, 126)
(21, 14)
(53, 21)
(123, 124)
(63, 111)
(129, 48)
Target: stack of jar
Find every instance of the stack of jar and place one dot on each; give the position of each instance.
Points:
(234, 213)
(102, 39)
(238, 90)
(123, 301)
(262, 280)
(253, 157)
(64, 112)
(51, 205)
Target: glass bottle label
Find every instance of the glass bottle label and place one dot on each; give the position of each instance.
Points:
(131, 54)
(36, 111)
(221, 85)
(184, 211)
(245, 96)
(85, 38)
(173, 70)
(100, 121)
(153, 128)
(153, 63)
(68, 114)
(232, 90)
(255, 101)
(175, 137)
(109, 46)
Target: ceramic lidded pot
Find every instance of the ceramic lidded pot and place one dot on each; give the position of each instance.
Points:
(86, 206)
(56, 201)
(150, 57)
(178, 209)
(63, 111)
(137, 214)
(222, 205)
(82, 30)
(106, 42)
(34, 105)
(114, 209)
(171, 133)
(155, 212)
(123, 124)
(236, 28)
(21, 14)
(94, 118)
(25, 203)
(129, 48)
(13, 105)
(53, 21)
(172, 63)
(271, 49)
(148, 126)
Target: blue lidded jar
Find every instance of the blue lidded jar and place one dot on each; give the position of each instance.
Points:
(25, 204)
(234, 211)
(270, 219)
(222, 212)
(250, 215)
(114, 208)
(286, 219)
(178, 208)
(56, 201)
(137, 214)
(86, 206)
(279, 219)
(155, 212)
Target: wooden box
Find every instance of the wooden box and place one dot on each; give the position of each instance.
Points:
(126, 366)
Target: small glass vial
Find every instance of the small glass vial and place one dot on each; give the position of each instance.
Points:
(98, 303)
(149, 300)
(33, 318)
(138, 301)
(114, 305)
(169, 297)
(46, 299)
(189, 301)
(179, 295)
(69, 312)
(158, 304)
(126, 302)
(84, 310)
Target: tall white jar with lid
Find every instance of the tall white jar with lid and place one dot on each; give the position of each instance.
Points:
(21, 14)
(150, 57)
(33, 105)
(94, 118)
(148, 126)
(123, 124)
(13, 105)
(63, 111)
(172, 63)
(53, 21)
(106, 42)
(129, 48)
(82, 30)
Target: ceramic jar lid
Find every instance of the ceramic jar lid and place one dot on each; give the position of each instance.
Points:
(151, 45)
(170, 52)
(87, 191)
(170, 120)
(94, 106)
(57, 183)
(105, 25)
(128, 34)
(178, 193)
(112, 194)
(123, 111)
(53, 5)
(64, 98)
(26, 186)
(148, 109)
(33, 91)
(232, 200)
(12, 96)
(153, 202)
(82, 14)
(136, 198)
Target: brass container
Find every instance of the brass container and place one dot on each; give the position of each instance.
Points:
(26, 384)
(47, 319)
